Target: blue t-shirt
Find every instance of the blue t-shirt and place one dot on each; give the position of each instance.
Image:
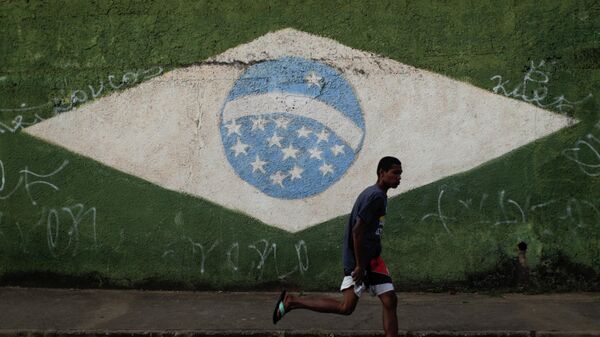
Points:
(370, 206)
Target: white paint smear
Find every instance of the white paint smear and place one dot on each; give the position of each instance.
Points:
(166, 130)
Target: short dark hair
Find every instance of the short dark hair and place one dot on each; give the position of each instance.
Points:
(386, 163)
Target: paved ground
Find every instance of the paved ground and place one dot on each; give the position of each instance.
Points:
(63, 312)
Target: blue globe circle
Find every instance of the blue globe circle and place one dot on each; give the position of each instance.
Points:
(291, 127)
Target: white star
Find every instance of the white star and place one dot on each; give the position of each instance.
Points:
(337, 149)
(275, 140)
(313, 79)
(326, 168)
(239, 147)
(233, 128)
(315, 153)
(258, 165)
(295, 173)
(303, 132)
(259, 123)
(277, 178)
(282, 122)
(322, 136)
(289, 151)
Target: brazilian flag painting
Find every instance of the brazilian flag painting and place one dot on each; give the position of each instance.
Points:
(221, 145)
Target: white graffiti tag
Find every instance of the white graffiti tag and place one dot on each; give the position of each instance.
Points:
(28, 179)
(80, 96)
(589, 149)
(534, 89)
(228, 256)
(62, 240)
(74, 98)
(19, 123)
(578, 213)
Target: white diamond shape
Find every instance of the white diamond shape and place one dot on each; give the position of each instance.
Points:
(166, 130)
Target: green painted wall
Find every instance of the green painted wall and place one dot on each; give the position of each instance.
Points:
(67, 220)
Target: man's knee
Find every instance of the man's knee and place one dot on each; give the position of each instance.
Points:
(389, 300)
(349, 303)
(347, 308)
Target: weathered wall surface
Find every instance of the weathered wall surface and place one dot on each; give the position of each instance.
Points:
(221, 145)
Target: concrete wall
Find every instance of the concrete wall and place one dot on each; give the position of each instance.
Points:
(222, 145)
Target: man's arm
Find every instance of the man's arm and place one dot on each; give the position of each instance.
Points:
(358, 231)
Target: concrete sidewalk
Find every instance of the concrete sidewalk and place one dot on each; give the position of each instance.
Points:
(62, 312)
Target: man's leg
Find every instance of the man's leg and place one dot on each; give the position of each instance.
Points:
(390, 319)
(324, 304)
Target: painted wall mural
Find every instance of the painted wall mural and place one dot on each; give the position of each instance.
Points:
(349, 101)
(206, 149)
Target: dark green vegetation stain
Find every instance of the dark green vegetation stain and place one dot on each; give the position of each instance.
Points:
(457, 233)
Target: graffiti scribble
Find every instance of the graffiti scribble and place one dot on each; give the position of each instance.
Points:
(534, 89)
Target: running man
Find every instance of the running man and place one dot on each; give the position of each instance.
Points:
(363, 266)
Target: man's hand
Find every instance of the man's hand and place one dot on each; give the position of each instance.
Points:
(357, 275)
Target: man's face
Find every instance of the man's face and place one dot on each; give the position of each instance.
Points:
(391, 177)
